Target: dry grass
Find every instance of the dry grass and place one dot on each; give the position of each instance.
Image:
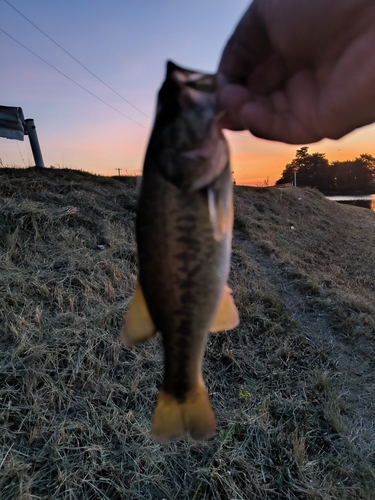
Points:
(292, 387)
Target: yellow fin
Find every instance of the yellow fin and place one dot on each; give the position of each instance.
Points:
(138, 326)
(227, 315)
(194, 416)
(219, 216)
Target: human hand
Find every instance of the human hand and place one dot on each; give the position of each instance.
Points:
(298, 71)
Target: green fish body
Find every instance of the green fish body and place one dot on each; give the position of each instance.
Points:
(184, 233)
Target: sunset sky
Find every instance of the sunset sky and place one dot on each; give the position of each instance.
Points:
(125, 44)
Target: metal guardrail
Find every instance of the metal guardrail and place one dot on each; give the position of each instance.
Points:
(14, 126)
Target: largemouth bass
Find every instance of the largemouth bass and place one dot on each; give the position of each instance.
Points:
(184, 233)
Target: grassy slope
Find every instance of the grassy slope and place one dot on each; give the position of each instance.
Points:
(292, 387)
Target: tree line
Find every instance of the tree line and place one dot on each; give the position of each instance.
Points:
(314, 170)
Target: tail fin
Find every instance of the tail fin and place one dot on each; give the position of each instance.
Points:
(194, 416)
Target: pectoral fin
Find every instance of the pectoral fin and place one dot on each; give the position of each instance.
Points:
(138, 326)
(227, 315)
(218, 215)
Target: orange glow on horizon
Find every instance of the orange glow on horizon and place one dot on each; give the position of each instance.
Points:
(254, 161)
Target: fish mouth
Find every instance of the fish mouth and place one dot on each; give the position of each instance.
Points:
(197, 80)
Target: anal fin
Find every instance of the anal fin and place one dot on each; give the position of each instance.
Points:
(138, 326)
(227, 315)
(193, 416)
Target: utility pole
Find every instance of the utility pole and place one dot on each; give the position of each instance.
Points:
(118, 170)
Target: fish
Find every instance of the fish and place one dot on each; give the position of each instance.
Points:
(184, 223)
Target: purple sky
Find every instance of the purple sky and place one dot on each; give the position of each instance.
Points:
(125, 43)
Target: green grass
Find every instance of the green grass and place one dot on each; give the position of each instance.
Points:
(292, 387)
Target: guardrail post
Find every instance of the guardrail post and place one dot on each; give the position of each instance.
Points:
(34, 143)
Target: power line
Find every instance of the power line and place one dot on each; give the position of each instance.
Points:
(75, 59)
(71, 79)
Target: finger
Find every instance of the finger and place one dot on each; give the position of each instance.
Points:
(268, 76)
(265, 120)
(232, 98)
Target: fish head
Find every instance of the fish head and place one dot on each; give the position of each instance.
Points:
(187, 144)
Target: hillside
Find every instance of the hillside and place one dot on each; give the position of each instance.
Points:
(293, 387)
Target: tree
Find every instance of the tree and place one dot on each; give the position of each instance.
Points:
(368, 161)
(351, 175)
(294, 166)
(314, 170)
